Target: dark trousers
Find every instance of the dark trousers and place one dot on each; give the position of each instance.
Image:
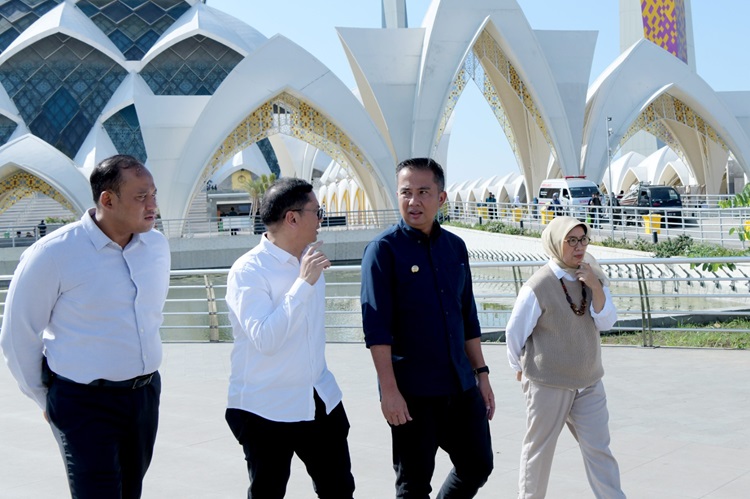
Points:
(458, 425)
(320, 444)
(106, 436)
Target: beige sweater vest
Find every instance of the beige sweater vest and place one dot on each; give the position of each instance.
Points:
(564, 349)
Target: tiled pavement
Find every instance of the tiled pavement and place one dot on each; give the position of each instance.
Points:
(680, 422)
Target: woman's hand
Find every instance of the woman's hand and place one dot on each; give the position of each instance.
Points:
(588, 277)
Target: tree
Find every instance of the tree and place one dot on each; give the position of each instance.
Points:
(256, 188)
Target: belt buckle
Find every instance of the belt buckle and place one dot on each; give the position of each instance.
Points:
(139, 382)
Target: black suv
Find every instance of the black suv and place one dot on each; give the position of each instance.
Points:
(656, 199)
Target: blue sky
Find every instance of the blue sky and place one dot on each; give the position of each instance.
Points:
(478, 147)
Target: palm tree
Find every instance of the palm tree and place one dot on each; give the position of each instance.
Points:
(256, 188)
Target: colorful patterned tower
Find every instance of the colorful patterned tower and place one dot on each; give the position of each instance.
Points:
(664, 23)
(668, 24)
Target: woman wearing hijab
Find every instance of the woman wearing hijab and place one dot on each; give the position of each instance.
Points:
(554, 346)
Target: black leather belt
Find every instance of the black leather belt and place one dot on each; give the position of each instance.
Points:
(132, 384)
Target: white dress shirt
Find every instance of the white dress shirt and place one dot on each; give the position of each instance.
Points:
(278, 322)
(91, 307)
(527, 311)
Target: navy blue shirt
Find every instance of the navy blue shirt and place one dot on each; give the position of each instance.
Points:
(417, 297)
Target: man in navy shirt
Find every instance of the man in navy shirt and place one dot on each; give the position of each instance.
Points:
(421, 327)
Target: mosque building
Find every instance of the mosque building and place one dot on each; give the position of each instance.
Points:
(206, 100)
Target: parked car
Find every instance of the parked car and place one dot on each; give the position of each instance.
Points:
(653, 199)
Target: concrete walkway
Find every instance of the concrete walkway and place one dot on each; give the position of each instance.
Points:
(680, 422)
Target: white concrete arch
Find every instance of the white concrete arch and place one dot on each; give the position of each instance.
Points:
(637, 79)
(257, 80)
(423, 66)
(68, 20)
(206, 21)
(33, 155)
(620, 167)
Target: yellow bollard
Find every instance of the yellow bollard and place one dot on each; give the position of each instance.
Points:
(547, 216)
(517, 214)
(652, 223)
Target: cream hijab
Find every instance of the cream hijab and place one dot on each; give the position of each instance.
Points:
(554, 237)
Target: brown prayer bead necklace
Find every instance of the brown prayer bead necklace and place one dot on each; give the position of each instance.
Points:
(582, 309)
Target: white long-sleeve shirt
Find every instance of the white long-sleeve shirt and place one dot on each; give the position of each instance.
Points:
(526, 313)
(278, 323)
(91, 307)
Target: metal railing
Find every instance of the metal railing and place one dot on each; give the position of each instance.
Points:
(650, 294)
(709, 224)
(618, 222)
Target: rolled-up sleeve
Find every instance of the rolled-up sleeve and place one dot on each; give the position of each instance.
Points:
(607, 317)
(376, 296)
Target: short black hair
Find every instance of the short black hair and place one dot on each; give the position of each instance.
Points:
(427, 164)
(284, 195)
(107, 175)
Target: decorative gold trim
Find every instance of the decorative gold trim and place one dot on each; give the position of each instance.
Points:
(22, 185)
(486, 52)
(669, 108)
(288, 115)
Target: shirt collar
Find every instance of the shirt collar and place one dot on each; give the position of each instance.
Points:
(559, 271)
(281, 255)
(99, 238)
(418, 234)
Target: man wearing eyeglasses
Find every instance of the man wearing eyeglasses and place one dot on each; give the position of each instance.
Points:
(283, 400)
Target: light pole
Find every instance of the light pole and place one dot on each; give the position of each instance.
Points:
(609, 170)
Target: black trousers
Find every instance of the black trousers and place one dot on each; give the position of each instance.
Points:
(320, 444)
(106, 436)
(458, 425)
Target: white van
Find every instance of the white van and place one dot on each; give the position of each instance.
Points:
(574, 193)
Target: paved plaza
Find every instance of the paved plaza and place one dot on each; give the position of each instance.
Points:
(680, 421)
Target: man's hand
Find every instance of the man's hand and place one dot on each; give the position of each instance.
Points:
(518, 375)
(313, 263)
(394, 408)
(489, 397)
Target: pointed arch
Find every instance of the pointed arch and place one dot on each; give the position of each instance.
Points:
(22, 185)
(288, 115)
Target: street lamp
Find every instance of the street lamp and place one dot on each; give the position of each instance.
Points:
(609, 170)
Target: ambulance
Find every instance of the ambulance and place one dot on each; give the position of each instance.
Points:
(574, 194)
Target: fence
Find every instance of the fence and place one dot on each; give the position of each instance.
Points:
(709, 224)
(650, 294)
(619, 222)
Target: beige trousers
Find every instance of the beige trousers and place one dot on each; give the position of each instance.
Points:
(585, 413)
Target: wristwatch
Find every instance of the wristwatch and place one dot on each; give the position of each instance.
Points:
(480, 370)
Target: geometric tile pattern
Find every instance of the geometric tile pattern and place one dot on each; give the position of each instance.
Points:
(17, 15)
(487, 54)
(270, 156)
(669, 108)
(288, 115)
(133, 25)
(60, 86)
(125, 131)
(490, 54)
(194, 66)
(7, 127)
(664, 24)
(23, 185)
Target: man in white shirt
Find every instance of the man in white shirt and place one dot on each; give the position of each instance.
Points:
(81, 331)
(282, 397)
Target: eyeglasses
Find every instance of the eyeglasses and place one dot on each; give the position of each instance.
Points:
(573, 241)
(320, 212)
